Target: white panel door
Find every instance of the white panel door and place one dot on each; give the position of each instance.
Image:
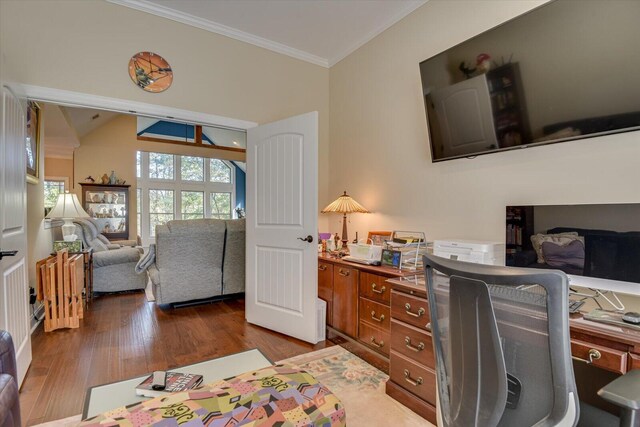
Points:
(14, 305)
(466, 117)
(282, 211)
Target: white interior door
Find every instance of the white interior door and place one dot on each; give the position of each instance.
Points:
(14, 307)
(282, 210)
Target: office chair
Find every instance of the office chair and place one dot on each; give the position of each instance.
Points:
(502, 349)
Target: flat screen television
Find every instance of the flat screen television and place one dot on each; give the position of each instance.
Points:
(598, 246)
(566, 70)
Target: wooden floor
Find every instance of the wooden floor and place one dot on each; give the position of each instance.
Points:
(124, 336)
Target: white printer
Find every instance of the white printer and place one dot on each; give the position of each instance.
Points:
(475, 251)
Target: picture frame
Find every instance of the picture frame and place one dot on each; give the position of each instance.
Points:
(32, 142)
(391, 258)
(378, 237)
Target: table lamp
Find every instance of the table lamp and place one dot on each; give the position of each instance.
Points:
(344, 205)
(67, 208)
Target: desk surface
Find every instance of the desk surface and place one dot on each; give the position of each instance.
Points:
(579, 325)
(375, 269)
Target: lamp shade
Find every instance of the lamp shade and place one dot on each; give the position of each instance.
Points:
(67, 206)
(345, 204)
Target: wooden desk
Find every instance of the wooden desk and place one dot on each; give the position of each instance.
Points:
(367, 314)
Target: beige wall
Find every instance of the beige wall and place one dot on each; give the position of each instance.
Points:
(113, 146)
(86, 46)
(59, 168)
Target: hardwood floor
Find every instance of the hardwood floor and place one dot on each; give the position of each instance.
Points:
(124, 336)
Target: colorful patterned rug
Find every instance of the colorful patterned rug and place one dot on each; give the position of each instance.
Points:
(357, 384)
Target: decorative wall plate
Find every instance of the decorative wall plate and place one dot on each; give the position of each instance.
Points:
(150, 71)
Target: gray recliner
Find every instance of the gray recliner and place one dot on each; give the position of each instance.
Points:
(9, 397)
(113, 264)
(502, 349)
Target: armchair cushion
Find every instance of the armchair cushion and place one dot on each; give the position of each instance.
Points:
(117, 256)
(9, 405)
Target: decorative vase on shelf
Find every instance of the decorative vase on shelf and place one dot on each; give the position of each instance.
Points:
(112, 178)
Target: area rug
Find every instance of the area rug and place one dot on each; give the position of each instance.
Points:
(359, 386)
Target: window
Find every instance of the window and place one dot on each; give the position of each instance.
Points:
(220, 172)
(161, 166)
(182, 187)
(192, 168)
(52, 187)
(192, 204)
(138, 164)
(160, 208)
(221, 205)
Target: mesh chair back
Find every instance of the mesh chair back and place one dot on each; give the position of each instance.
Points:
(501, 343)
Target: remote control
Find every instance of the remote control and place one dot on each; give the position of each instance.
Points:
(631, 317)
(159, 380)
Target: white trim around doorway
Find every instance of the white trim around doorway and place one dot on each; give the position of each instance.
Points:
(83, 100)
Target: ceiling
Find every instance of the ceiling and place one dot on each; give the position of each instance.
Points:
(60, 139)
(85, 120)
(318, 31)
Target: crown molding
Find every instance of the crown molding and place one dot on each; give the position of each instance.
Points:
(214, 27)
(372, 34)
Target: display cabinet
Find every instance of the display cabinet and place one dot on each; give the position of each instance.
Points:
(109, 206)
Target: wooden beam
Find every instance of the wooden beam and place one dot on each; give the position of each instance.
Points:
(191, 144)
(198, 135)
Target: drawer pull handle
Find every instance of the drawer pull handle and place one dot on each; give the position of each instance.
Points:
(377, 344)
(322, 267)
(416, 348)
(420, 312)
(377, 319)
(407, 377)
(428, 326)
(594, 355)
(376, 291)
(344, 273)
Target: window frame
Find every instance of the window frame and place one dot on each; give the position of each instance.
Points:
(177, 185)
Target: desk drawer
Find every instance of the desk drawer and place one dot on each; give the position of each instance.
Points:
(410, 309)
(375, 313)
(603, 357)
(373, 286)
(634, 361)
(325, 281)
(413, 377)
(375, 338)
(412, 343)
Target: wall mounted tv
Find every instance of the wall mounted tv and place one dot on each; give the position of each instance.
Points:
(566, 70)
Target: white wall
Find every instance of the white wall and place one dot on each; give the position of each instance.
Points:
(380, 148)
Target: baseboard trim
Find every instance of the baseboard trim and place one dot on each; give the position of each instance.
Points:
(36, 316)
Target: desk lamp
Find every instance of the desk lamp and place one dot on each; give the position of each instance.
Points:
(344, 205)
(67, 208)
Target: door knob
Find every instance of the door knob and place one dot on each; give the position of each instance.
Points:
(309, 239)
(7, 253)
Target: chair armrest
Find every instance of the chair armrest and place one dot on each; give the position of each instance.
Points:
(130, 243)
(9, 401)
(623, 391)
(116, 256)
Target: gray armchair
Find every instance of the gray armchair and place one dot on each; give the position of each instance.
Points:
(9, 398)
(502, 348)
(113, 265)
